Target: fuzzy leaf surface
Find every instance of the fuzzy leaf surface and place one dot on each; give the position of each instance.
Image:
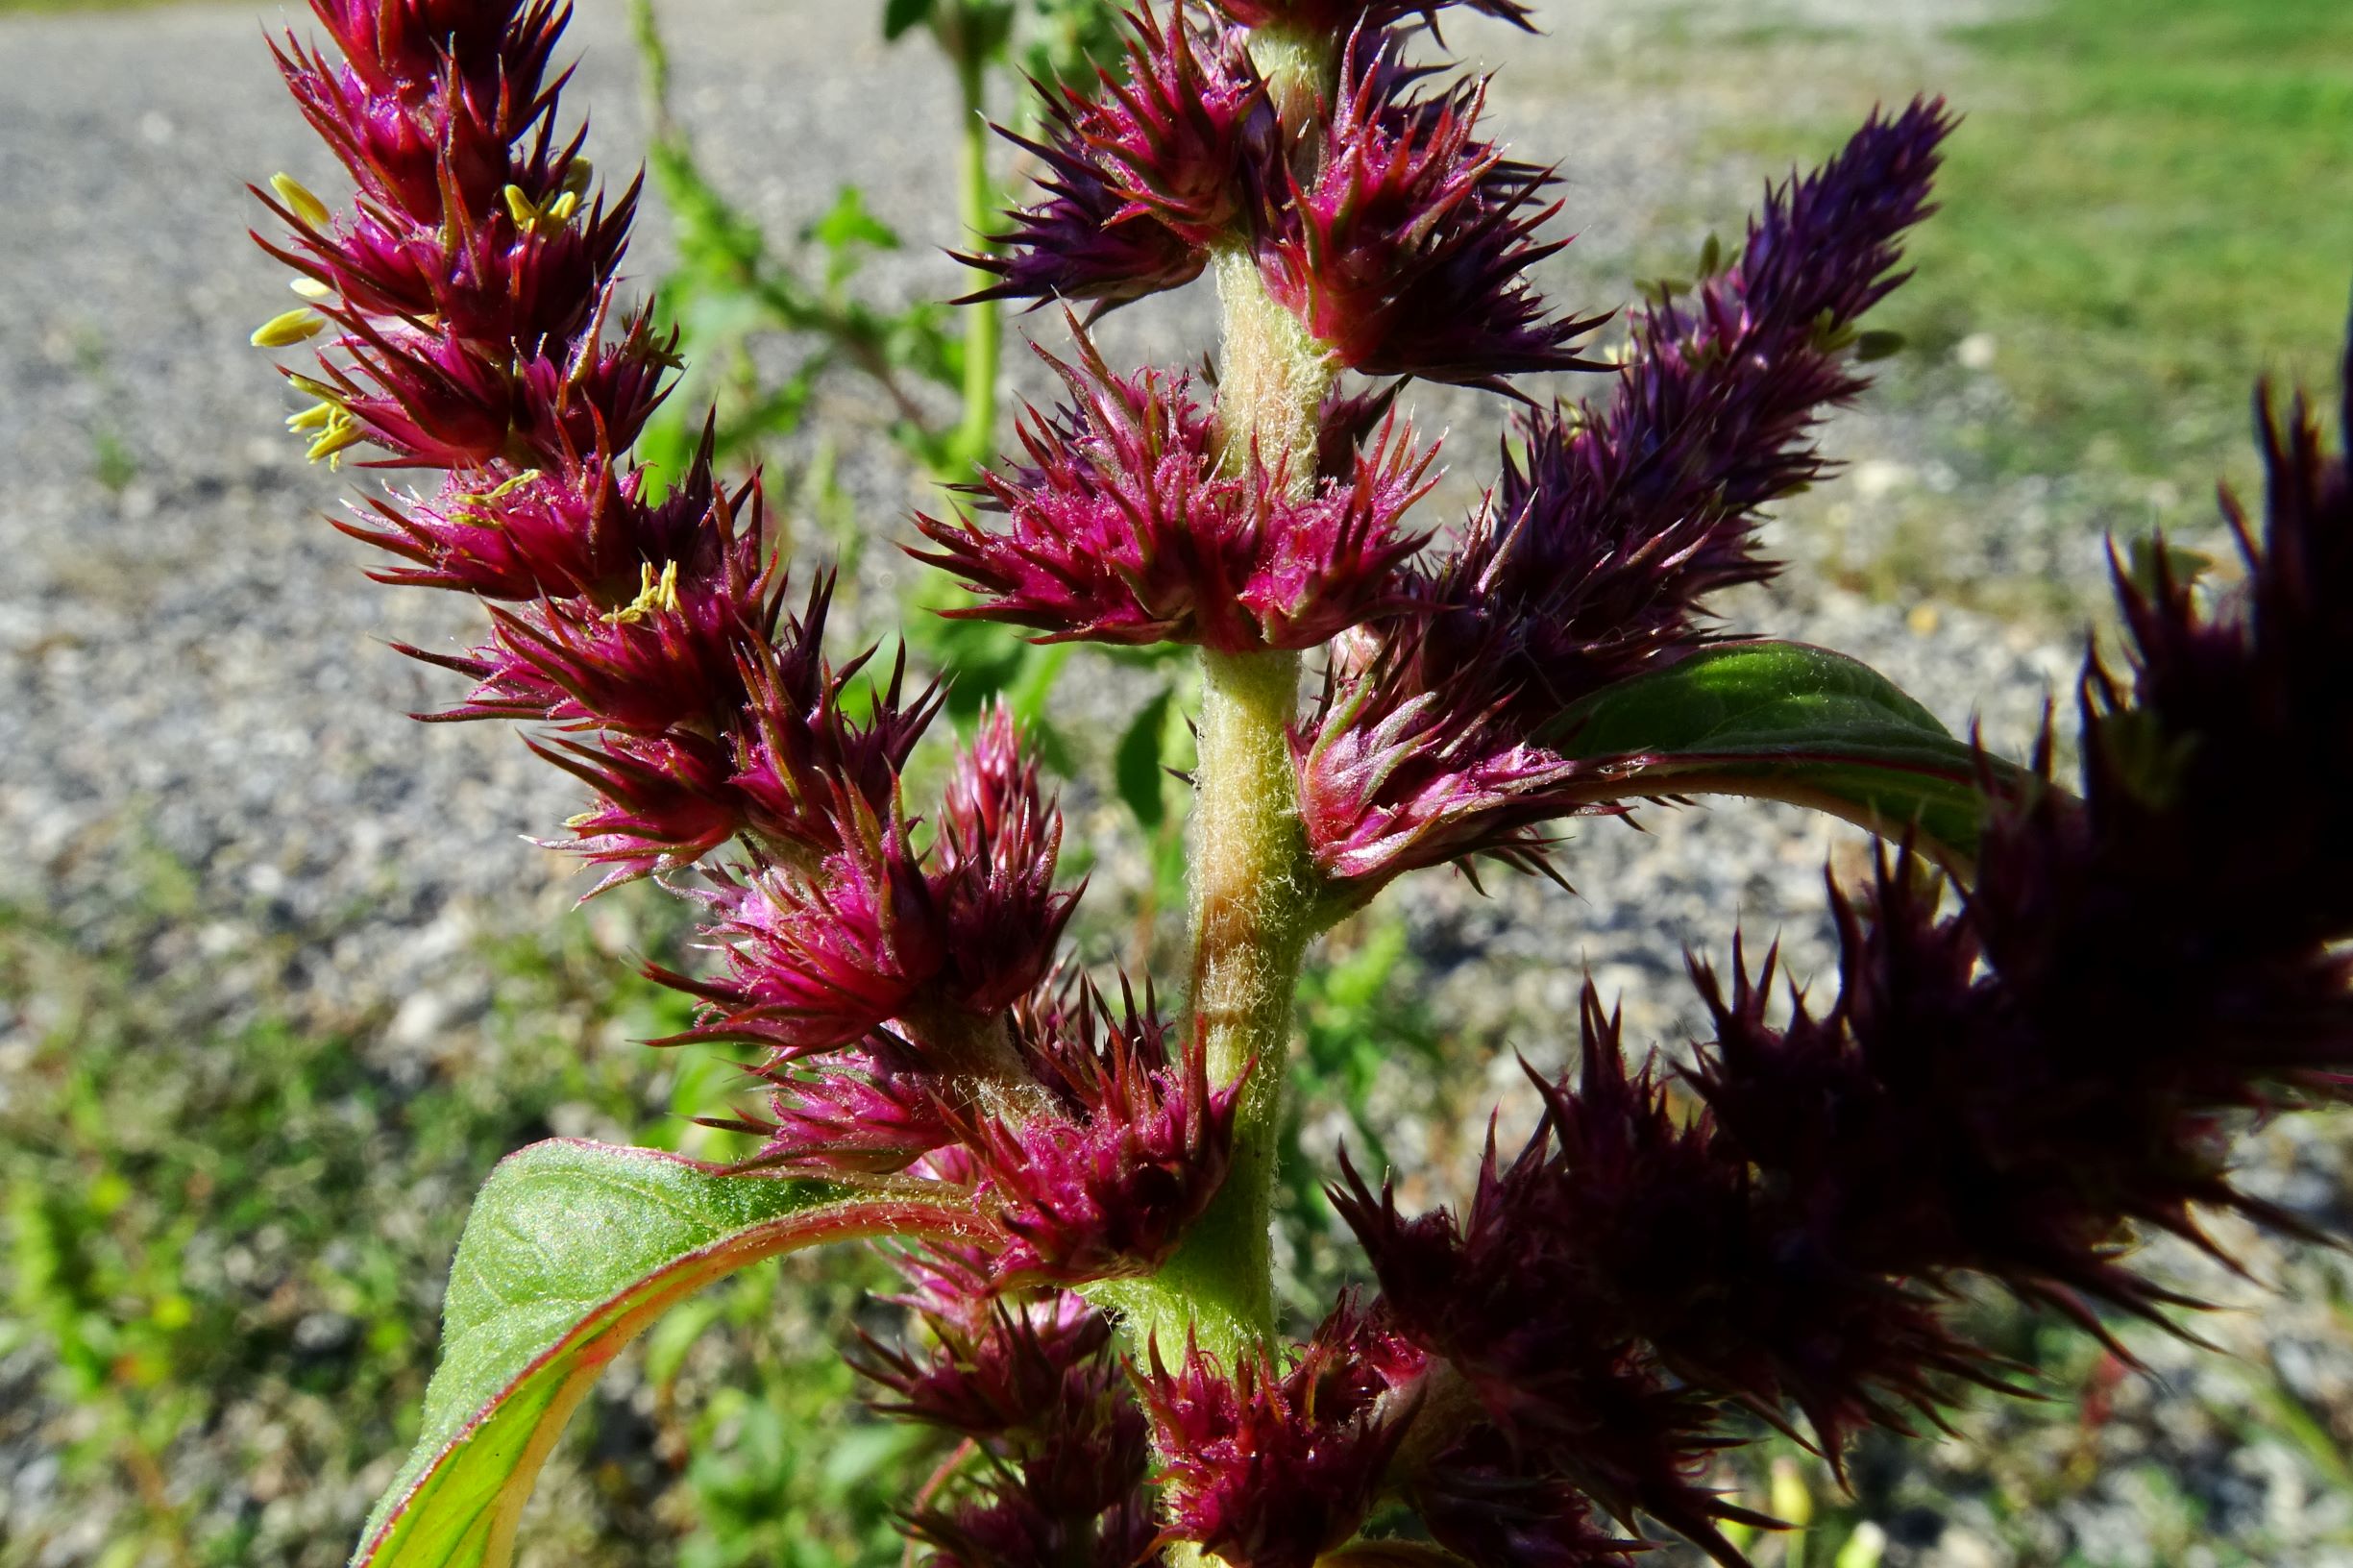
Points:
(1785, 721)
(571, 1251)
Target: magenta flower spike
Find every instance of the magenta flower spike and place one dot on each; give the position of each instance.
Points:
(1591, 562)
(1275, 1467)
(1128, 526)
(1134, 1146)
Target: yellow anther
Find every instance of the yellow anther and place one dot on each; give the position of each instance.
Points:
(577, 176)
(466, 513)
(342, 432)
(583, 820)
(521, 207)
(313, 418)
(297, 196)
(565, 205)
(288, 328)
(310, 288)
(652, 594)
(316, 388)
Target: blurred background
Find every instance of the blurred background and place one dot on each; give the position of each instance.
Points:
(281, 975)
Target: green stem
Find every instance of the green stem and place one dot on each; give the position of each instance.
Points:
(1254, 906)
(984, 322)
(1251, 908)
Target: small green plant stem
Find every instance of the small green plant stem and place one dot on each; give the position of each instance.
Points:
(983, 321)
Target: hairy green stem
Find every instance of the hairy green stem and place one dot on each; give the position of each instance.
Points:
(983, 321)
(1250, 916)
(1252, 890)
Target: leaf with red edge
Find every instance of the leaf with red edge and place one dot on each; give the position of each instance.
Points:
(572, 1250)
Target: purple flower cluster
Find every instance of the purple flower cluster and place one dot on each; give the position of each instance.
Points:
(2006, 1091)
(1438, 736)
(1044, 1411)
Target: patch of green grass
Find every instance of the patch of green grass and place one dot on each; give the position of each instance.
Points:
(2149, 205)
(223, 1237)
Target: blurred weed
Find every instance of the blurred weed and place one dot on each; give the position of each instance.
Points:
(114, 464)
(735, 290)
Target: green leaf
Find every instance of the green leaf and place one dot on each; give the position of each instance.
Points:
(1873, 346)
(572, 1250)
(1138, 767)
(1785, 721)
(899, 16)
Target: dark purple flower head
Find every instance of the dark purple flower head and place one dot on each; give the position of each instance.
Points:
(1007, 1525)
(1269, 1468)
(508, 534)
(662, 803)
(662, 655)
(1104, 1182)
(1407, 252)
(407, 45)
(1594, 558)
(798, 754)
(1178, 139)
(1521, 1300)
(1478, 1498)
(1007, 1374)
(1035, 1387)
(435, 124)
(851, 1113)
(1132, 525)
(1087, 241)
(498, 281)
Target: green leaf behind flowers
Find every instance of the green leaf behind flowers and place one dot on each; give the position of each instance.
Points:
(572, 1250)
(1787, 721)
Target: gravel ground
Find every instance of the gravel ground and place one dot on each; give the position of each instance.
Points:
(191, 663)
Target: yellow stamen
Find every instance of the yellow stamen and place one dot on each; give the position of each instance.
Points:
(652, 594)
(527, 477)
(288, 328)
(342, 432)
(577, 176)
(583, 820)
(310, 288)
(564, 206)
(521, 207)
(313, 418)
(296, 195)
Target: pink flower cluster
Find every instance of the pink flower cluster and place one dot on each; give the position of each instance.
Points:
(897, 975)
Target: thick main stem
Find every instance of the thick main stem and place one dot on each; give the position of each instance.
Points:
(1252, 890)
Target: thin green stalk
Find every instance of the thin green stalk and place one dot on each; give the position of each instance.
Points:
(984, 321)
